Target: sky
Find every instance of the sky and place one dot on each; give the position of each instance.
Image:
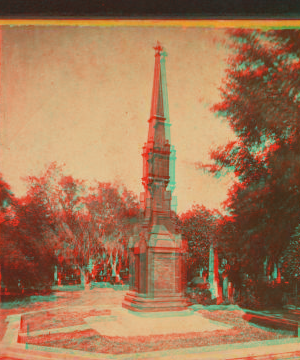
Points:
(81, 96)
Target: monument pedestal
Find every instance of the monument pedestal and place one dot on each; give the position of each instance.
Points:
(157, 276)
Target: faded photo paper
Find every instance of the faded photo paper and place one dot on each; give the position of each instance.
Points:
(150, 189)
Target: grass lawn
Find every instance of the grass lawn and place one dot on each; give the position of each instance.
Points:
(69, 298)
(57, 318)
(90, 340)
(32, 303)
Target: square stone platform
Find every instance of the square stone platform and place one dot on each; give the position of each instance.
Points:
(143, 324)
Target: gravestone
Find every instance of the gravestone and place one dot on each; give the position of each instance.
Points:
(213, 275)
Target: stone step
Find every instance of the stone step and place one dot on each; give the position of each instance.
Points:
(140, 303)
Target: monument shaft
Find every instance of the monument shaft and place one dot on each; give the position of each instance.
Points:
(157, 271)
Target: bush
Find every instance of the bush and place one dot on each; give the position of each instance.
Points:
(198, 292)
(262, 295)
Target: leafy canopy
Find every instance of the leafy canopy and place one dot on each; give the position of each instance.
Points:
(261, 102)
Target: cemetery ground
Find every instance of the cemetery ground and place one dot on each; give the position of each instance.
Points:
(70, 323)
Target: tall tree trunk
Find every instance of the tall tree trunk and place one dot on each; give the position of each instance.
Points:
(55, 275)
(0, 285)
(84, 278)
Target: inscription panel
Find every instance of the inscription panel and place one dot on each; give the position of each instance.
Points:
(164, 274)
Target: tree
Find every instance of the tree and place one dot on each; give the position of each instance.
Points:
(199, 229)
(26, 256)
(88, 221)
(261, 101)
(10, 254)
(114, 210)
(291, 257)
(63, 197)
(36, 239)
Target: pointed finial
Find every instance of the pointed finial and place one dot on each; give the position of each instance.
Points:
(158, 48)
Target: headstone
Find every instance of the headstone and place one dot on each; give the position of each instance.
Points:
(264, 275)
(55, 273)
(265, 266)
(278, 279)
(225, 287)
(274, 273)
(230, 291)
(213, 272)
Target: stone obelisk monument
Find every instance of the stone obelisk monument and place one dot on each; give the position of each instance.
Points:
(157, 274)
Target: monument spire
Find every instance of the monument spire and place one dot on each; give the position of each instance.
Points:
(157, 104)
(159, 122)
(156, 152)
